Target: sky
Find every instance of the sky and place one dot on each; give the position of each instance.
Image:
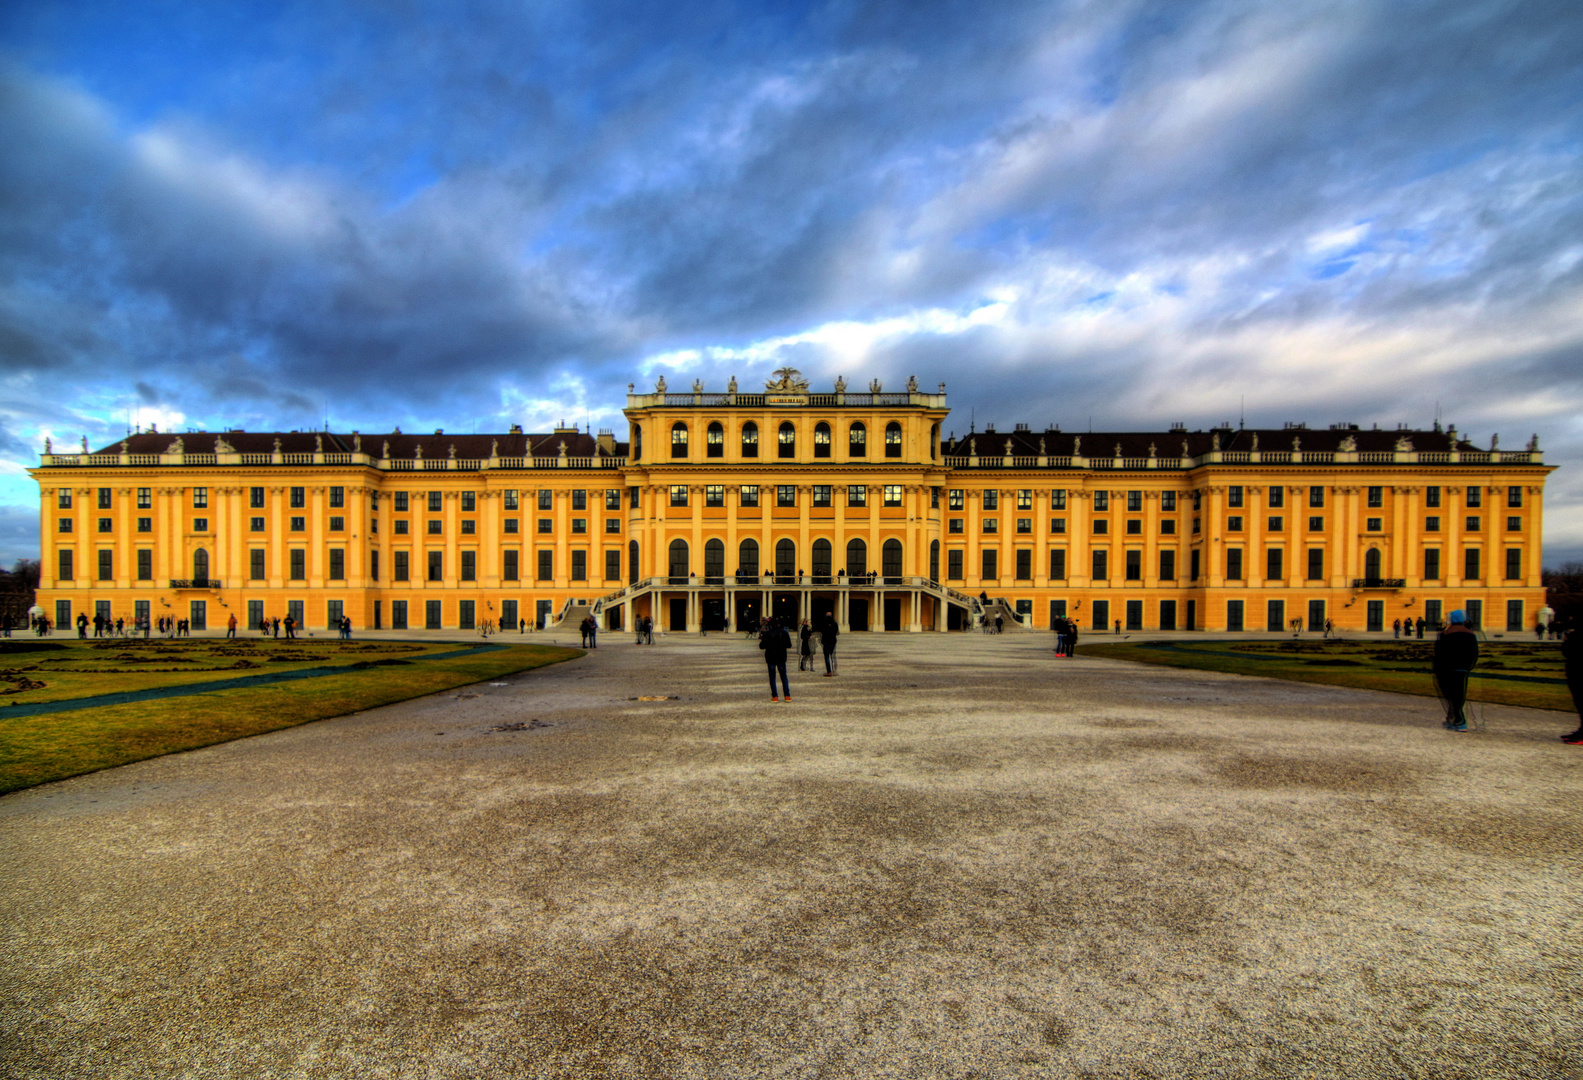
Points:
(1111, 215)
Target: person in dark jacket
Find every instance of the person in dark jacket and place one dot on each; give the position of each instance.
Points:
(1456, 653)
(805, 646)
(1572, 653)
(776, 643)
(828, 633)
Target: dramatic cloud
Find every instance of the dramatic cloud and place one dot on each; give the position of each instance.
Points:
(1117, 213)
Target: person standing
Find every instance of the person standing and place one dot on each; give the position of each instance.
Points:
(593, 632)
(582, 630)
(82, 625)
(1071, 637)
(805, 646)
(1420, 627)
(230, 626)
(776, 643)
(828, 635)
(291, 628)
(1456, 652)
(1397, 626)
(1572, 655)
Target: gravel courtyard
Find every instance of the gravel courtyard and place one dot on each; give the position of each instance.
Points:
(961, 857)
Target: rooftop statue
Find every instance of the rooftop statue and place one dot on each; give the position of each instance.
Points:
(840, 384)
(1255, 445)
(731, 387)
(49, 447)
(1533, 444)
(1297, 443)
(1404, 444)
(1077, 446)
(1153, 452)
(1349, 445)
(875, 386)
(1495, 440)
(494, 448)
(698, 386)
(1041, 445)
(175, 447)
(1214, 441)
(85, 444)
(659, 385)
(357, 443)
(318, 444)
(453, 450)
(790, 381)
(277, 444)
(384, 451)
(912, 384)
(221, 446)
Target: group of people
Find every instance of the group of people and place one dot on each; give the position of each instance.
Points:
(644, 627)
(1065, 637)
(1409, 625)
(777, 645)
(589, 629)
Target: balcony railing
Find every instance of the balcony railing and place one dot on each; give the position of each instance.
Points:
(1379, 583)
(196, 583)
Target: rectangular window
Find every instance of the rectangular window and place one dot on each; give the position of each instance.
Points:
(373, 565)
(104, 498)
(1134, 560)
(436, 502)
(1233, 564)
(1233, 615)
(1316, 524)
(1101, 500)
(546, 566)
(1025, 525)
(678, 494)
(1234, 495)
(1316, 497)
(466, 613)
(398, 614)
(714, 494)
(106, 566)
(403, 502)
(1058, 499)
(1234, 523)
(953, 565)
(337, 497)
(1101, 615)
(436, 566)
(1193, 566)
(634, 499)
(934, 498)
(956, 525)
(1101, 527)
(1432, 495)
(509, 570)
(613, 565)
(108, 524)
(145, 498)
(1470, 564)
(253, 524)
(580, 499)
(1373, 524)
(1316, 564)
(63, 498)
(1475, 497)
(546, 525)
(299, 524)
(431, 615)
(1058, 525)
(1277, 497)
(200, 498)
(1474, 524)
(1101, 565)
(1168, 501)
(298, 497)
(1057, 564)
(297, 560)
(1514, 564)
(469, 566)
(892, 494)
(337, 564)
(1134, 526)
(469, 502)
(579, 566)
(1167, 528)
(403, 527)
(991, 525)
(512, 526)
(1024, 565)
(821, 495)
(145, 565)
(1167, 566)
(785, 495)
(508, 615)
(613, 499)
(988, 564)
(857, 495)
(953, 499)
(338, 524)
(580, 526)
(1134, 502)
(200, 525)
(510, 501)
(255, 564)
(400, 569)
(1431, 564)
(1513, 524)
(1273, 561)
(1024, 499)
(1376, 496)
(612, 525)
(991, 500)
(750, 495)
(64, 565)
(546, 499)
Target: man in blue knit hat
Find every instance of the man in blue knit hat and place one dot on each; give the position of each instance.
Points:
(1456, 651)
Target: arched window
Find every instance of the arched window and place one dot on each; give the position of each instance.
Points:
(788, 440)
(857, 441)
(748, 559)
(821, 440)
(890, 559)
(678, 562)
(200, 565)
(632, 563)
(856, 558)
(678, 439)
(750, 439)
(934, 560)
(893, 439)
(785, 559)
(715, 441)
(637, 442)
(821, 562)
(1371, 564)
(714, 562)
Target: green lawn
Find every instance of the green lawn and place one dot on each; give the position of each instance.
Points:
(37, 748)
(1398, 666)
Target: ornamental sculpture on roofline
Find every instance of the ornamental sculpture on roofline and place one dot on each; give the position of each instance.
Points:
(790, 381)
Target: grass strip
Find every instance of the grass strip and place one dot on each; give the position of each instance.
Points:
(1361, 666)
(48, 746)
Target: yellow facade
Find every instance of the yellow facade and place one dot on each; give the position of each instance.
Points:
(722, 507)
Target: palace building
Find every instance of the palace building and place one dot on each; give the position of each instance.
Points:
(722, 507)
